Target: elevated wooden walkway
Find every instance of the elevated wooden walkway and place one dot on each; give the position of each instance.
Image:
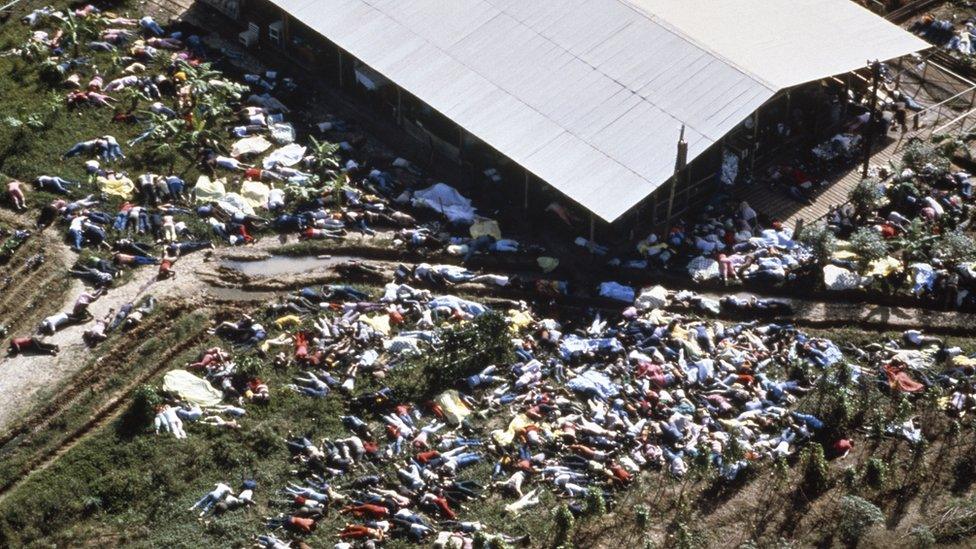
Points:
(777, 204)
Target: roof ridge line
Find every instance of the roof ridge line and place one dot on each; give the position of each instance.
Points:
(674, 29)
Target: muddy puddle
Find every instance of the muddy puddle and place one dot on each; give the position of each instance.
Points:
(237, 294)
(280, 265)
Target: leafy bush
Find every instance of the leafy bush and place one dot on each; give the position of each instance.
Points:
(596, 506)
(953, 248)
(820, 239)
(876, 473)
(857, 516)
(464, 350)
(141, 411)
(922, 537)
(921, 156)
(815, 477)
(868, 244)
(249, 366)
(642, 516)
(867, 196)
(564, 524)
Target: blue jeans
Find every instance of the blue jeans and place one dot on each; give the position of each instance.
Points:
(77, 237)
(77, 149)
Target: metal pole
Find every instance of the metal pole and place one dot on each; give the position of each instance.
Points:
(870, 127)
(525, 196)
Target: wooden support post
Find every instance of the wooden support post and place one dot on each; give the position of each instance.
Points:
(870, 127)
(285, 30)
(847, 94)
(636, 225)
(340, 65)
(755, 140)
(680, 162)
(654, 209)
(399, 112)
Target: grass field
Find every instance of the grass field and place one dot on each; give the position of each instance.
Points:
(119, 485)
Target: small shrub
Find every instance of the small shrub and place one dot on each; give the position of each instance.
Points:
(857, 516)
(596, 506)
(141, 411)
(867, 196)
(821, 241)
(922, 537)
(564, 524)
(249, 366)
(815, 477)
(868, 244)
(925, 158)
(642, 516)
(953, 248)
(876, 473)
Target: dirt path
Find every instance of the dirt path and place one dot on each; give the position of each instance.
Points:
(26, 379)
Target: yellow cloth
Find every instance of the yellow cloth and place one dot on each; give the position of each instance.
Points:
(380, 323)
(209, 191)
(191, 388)
(548, 264)
(484, 226)
(844, 255)
(519, 320)
(455, 410)
(505, 437)
(884, 267)
(121, 187)
(255, 193)
(288, 320)
(961, 361)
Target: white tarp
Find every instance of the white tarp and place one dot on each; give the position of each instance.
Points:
(255, 144)
(838, 278)
(289, 155)
(652, 298)
(445, 200)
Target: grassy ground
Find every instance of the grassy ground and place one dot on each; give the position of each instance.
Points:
(120, 485)
(123, 487)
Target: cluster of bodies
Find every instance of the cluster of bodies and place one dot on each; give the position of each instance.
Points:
(741, 245)
(282, 190)
(583, 408)
(953, 36)
(923, 206)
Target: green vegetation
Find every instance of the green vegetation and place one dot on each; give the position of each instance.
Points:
(857, 516)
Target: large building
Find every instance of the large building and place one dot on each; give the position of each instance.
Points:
(586, 96)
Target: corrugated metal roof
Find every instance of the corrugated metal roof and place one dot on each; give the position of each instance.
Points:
(590, 95)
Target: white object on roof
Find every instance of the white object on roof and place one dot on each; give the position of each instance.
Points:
(590, 95)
